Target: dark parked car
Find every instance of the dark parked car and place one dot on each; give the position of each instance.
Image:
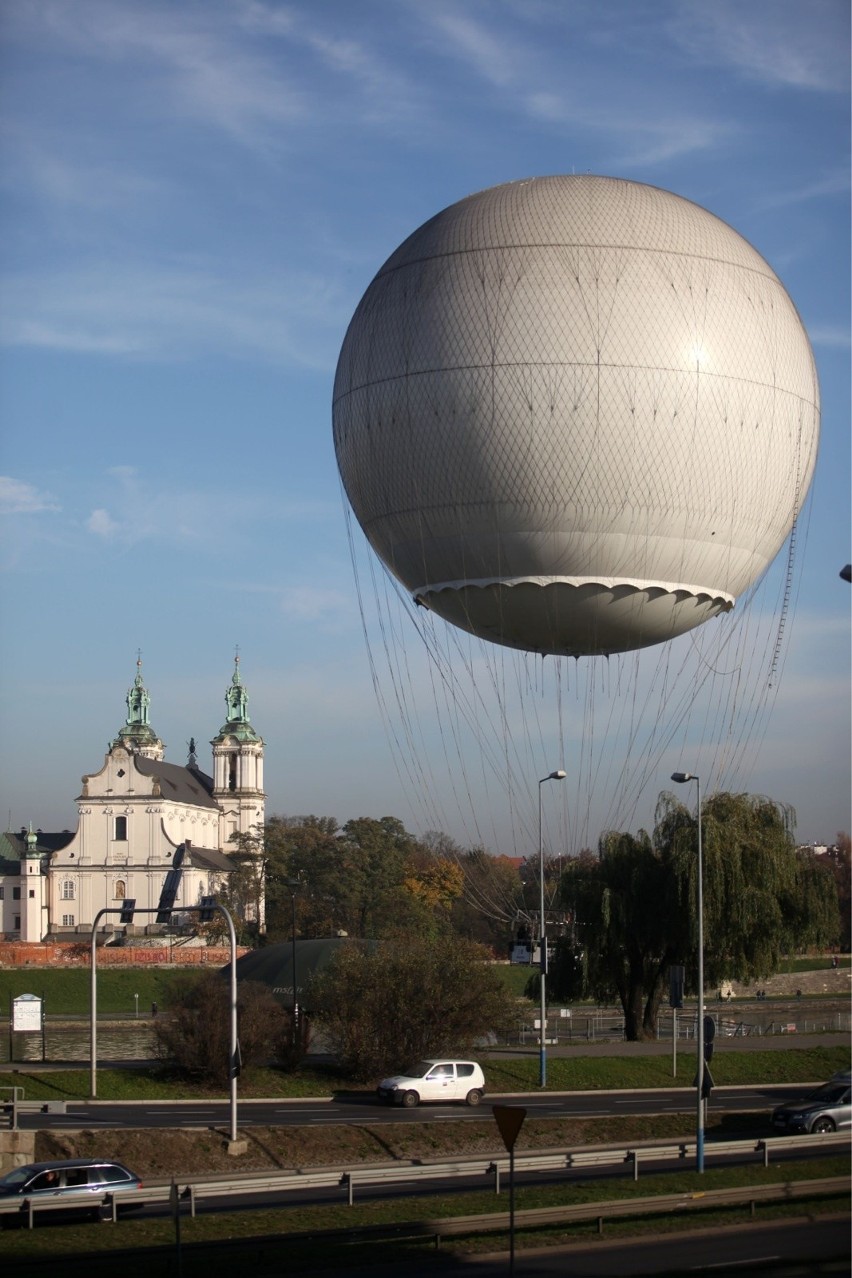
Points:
(79, 1183)
(825, 1110)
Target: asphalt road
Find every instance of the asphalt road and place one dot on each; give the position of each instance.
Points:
(363, 1108)
(792, 1248)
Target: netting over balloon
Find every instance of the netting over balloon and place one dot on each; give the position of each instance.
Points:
(576, 415)
(576, 418)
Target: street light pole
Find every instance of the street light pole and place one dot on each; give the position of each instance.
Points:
(559, 775)
(680, 778)
(293, 884)
(208, 904)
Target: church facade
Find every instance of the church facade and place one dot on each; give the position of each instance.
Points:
(140, 818)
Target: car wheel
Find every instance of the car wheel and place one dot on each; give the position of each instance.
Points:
(474, 1097)
(411, 1100)
(823, 1125)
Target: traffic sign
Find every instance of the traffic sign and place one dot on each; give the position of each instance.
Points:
(510, 1120)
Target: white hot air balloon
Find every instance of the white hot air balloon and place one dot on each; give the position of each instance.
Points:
(576, 414)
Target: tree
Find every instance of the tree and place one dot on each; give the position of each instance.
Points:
(406, 998)
(242, 891)
(358, 881)
(811, 906)
(840, 860)
(373, 859)
(194, 1036)
(491, 901)
(626, 910)
(635, 905)
(305, 851)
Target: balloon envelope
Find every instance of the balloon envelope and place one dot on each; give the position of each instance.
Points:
(576, 415)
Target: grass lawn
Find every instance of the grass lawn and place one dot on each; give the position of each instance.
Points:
(502, 1074)
(67, 991)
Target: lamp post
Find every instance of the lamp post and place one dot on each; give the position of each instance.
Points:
(208, 905)
(680, 778)
(293, 884)
(559, 775)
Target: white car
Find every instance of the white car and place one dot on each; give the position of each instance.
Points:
(435, 1080)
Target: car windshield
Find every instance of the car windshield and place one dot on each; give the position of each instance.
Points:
(420, 1070)
(15, 1178)
(830, 1092)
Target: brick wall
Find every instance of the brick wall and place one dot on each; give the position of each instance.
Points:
(75, 954)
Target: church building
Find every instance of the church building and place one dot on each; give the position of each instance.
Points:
(139, 819)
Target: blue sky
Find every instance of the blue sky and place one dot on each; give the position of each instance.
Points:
(197, 195)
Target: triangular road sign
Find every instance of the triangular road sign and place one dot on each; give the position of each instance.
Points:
(510, 1120)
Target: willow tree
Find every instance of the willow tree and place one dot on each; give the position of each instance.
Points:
(634, 905)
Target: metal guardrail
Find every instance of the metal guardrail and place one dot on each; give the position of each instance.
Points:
(17, 1105)
(282, 1183)
(498, 1222)
(663, 1204)
(494, 1168)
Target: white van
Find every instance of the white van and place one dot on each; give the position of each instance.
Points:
(435, 1080)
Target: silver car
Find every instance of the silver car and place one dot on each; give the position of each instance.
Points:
(828, 1109)
(75, 1183)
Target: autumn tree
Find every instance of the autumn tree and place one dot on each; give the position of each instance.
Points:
(359, 880)
(634, 905)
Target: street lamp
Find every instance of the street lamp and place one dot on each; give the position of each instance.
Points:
(205, 913)
(680, 778)
(559, 775)
(293, 885)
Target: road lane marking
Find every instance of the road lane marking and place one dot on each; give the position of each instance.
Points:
(730, 1264)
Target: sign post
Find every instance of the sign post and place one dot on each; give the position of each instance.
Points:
(675, 1001)
(510, 1120)
(27, 1017)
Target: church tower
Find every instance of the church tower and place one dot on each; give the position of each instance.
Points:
(137, 736)
(32, 891)
(238, 767)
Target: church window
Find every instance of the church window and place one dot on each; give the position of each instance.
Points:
(17, 922)
(67, 920)
(68, 889)
(32, 893)
(232, 773)
(121, 829)
(16, 894)
(2, 892)
(120, 889)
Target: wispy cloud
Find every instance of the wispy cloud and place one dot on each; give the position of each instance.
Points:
(102, 524)
(20, 498)
(259, 73)
(835, 336)
(174, 313)
(311, 603)
(643, 136)
(780, 42)
(64, 174)
(472, 42)
(531, 81)
(836, 183)
(142, 508)
(202, 72)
